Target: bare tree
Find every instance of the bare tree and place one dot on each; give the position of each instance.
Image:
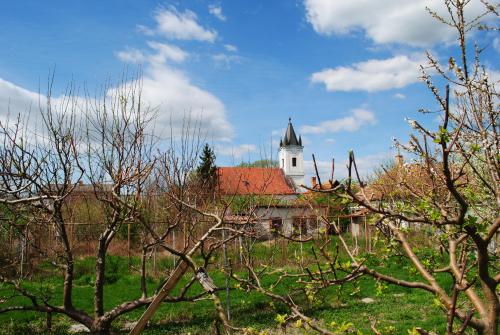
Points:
(450, 189)
(108, 142)
(39, 171)
(42, 171)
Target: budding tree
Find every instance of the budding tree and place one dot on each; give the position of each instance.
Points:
(451, 188)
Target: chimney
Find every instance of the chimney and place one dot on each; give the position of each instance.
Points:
(313, 182)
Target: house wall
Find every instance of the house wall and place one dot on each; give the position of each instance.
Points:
(287, 216)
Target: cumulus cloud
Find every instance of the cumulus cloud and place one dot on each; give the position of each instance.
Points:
(173, 24)
(372, 75)
(167, 90)
(230, 48)
(166, 52)
(385, 21)
(175, 97)
(359, 117)
(216, 10)
(18, 103)
(15, 99)
(161, 53)
(170, 91)
(131, 56)
(235, 151)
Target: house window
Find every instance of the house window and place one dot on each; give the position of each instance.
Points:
(294, 161)
(275, 226)
(282, 163)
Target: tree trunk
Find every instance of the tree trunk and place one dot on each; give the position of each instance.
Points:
(491, 325)
(100, 328)
(99, 278)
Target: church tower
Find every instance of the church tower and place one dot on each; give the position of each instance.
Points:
(291, 158)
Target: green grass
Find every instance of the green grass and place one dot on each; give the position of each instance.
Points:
(397, 309)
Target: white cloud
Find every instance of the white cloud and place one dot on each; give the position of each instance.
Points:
(230, 48)
(131, 56)
(216, 10)
(16, 100)
(372, 75)
(359, 117)
(169, 92)
(400, 96)
(166, 52)
(385, 21)
(176, 97)
(162, 52)
(237, 151)
(173, 24)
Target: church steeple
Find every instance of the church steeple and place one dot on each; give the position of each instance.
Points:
(290, 137)
(291, 157)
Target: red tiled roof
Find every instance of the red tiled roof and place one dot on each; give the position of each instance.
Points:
(252, 180)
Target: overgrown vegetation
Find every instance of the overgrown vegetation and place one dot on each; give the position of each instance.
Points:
(336, 306)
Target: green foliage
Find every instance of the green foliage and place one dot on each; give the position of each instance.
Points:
(442, 135)
(85, 270)
(380, 288)
(207, 170)
(280, 319)
(343, 328)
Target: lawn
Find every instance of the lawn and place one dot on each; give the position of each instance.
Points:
(395, 308)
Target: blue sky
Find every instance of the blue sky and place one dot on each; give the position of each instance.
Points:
(345, 71)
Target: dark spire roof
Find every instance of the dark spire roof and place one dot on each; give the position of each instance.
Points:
(290, 137)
